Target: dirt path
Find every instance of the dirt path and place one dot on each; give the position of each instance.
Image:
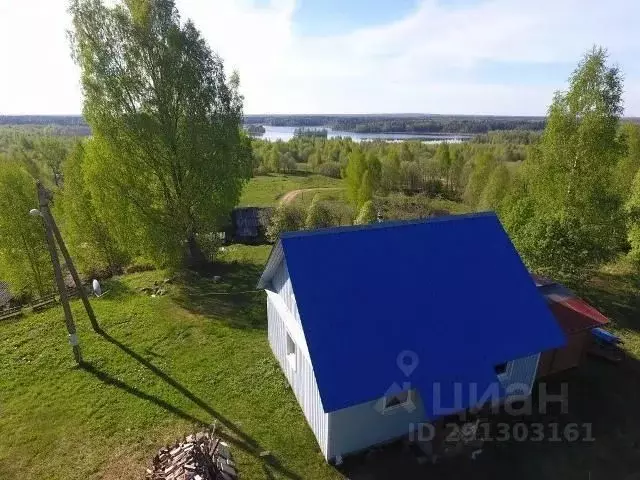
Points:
(291, 196)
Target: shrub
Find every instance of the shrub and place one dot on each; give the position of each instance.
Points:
(330, 169)
(286, 218)
(288, 163)
(319, 215)
(367, 214)
(262, 169)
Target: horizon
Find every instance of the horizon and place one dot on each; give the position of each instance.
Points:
(388, 114)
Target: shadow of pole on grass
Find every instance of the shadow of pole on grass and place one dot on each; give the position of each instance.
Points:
(239, 438)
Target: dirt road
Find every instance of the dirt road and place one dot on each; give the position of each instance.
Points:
(291, 196)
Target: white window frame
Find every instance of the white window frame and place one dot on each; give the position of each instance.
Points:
(291, 351)
(395, 406)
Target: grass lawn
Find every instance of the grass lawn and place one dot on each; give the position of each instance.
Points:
(266, 190)
(163, 367)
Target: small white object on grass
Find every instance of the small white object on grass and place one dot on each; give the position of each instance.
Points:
(97, 290)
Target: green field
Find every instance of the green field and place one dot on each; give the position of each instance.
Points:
(163, 367)
(266, 190)
(167, 365)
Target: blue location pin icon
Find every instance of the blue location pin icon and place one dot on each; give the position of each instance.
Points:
(407, 362)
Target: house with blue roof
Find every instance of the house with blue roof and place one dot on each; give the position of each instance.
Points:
(380, 327)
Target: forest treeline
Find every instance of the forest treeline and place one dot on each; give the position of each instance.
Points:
(402, 123)
(463, 124)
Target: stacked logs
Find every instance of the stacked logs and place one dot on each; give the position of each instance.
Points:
(201, 456)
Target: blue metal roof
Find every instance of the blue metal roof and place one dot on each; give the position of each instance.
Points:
(367, 294)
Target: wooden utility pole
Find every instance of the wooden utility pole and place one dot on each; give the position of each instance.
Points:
(74, 274)
(43, 199)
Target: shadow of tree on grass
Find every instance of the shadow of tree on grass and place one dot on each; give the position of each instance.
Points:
(616, 295)
(233, 298)
(230, 432)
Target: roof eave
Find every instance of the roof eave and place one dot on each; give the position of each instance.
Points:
(275, 257)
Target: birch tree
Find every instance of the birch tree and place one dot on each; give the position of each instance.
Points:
(159, 99)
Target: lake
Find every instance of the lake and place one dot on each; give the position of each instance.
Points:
(286, 133)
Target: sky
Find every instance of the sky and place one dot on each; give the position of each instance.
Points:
(503, 57)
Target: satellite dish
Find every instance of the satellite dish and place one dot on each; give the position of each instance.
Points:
(97, 290)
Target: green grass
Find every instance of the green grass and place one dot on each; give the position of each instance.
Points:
(266, 190)
(164, 367)
(615, 290)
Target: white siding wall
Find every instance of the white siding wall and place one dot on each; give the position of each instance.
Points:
(520, 372)
(356, 428)
(281, 284)
(302, 379)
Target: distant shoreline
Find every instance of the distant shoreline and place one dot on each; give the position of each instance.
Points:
(401, 124)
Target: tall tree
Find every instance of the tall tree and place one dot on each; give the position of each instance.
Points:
(391, 171)
(365, 193)
(24, 258)
(375, 170)
(496, 188)
(457, 166)
(629, 164)
(158, 98)
(443, 157)
(577, 219)
(52, 152)
(91, 240)
(633, 211)
(482, 167)
(356, 167)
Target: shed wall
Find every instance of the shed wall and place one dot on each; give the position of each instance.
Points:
(567, 357)
(302, 378)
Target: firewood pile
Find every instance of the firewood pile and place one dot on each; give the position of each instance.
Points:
(201, 456)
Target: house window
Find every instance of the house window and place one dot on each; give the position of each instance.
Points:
(501, 369)
(397, 400)
(291, 351)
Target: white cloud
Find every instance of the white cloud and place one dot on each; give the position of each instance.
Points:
(425, 62)
(404, 65)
